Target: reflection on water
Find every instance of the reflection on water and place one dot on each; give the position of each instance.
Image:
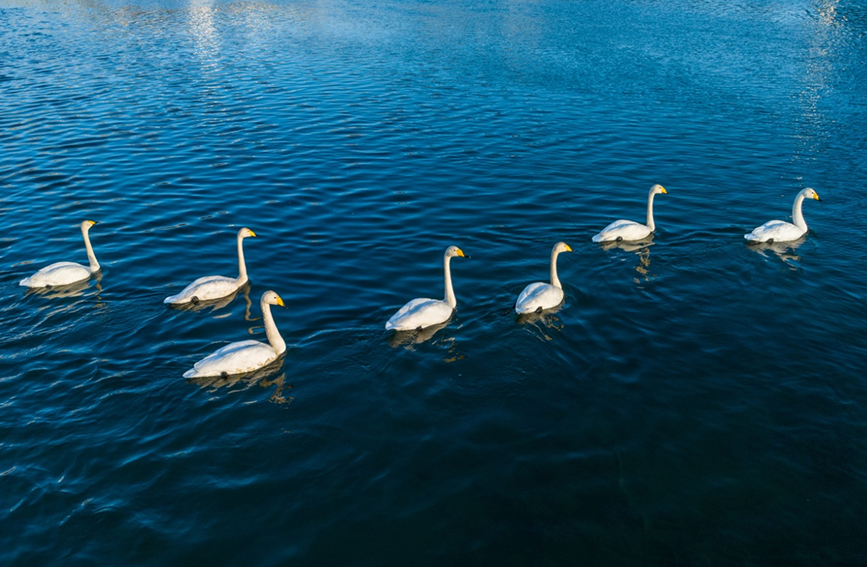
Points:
(204, 32)
(417, 336)
(641, 249)
(785, 251)
(409, 340)
(246, 381)
(540, 323)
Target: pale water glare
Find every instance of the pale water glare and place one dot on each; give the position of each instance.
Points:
(695, 401)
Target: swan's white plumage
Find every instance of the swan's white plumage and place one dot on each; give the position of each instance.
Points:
(57, 274)
(245, 356)
(775, 230)
(631, 230)
(420, 313)
(782, 231)
(623, 230)
(539, 296)
(208, 288)
(66, 273)
(235, 358)
(424, 312)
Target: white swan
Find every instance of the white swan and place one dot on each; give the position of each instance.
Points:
(214, 287)
(423, 312)
(65, 273)
(782, 231)
(245, 356)
(540, 296)
(630, 230)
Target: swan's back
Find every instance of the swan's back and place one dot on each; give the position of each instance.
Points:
(538, 295)
(421, 312)
(57, 274)
(205, 289)
(235, 358)
(776, 230)
(624, 230)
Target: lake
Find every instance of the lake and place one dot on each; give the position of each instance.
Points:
(695, 401)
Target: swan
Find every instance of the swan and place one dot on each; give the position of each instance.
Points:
(215, 287)
(423, 312)
(629, 230)
(65, 273)
(782, 231)
(539, 296)
(245, 356)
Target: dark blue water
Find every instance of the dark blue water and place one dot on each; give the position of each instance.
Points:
(695, 402)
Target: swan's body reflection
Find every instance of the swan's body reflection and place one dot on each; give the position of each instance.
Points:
(409, 340)
(641, 249)
(247, 381)
(785, 251)
(542, 322)
(416, 336)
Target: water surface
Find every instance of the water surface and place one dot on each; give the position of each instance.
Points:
(695, 402)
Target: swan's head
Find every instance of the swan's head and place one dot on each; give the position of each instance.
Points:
(453, 251)
(85, 226)
(562, 247)
(810, 193)
(657, 189)
(271, 298)
(246, 232)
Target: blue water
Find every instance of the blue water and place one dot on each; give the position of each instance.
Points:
(694, 402)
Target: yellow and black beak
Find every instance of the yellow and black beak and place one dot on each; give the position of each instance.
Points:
(568, 248)
(279, 299)
(664, 192)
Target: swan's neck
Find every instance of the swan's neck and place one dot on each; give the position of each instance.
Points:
(242, 265)
(274, 338)
(91, 257)
(797, 215)
(555, 281)
(450, 292)
(650, 223)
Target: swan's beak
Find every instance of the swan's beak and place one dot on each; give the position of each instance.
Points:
(280, 301)
(816, 196)
(664, 192)
(568, 248)
(461, 253)
(253, 234)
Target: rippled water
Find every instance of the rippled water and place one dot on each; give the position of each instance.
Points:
(695, 402)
